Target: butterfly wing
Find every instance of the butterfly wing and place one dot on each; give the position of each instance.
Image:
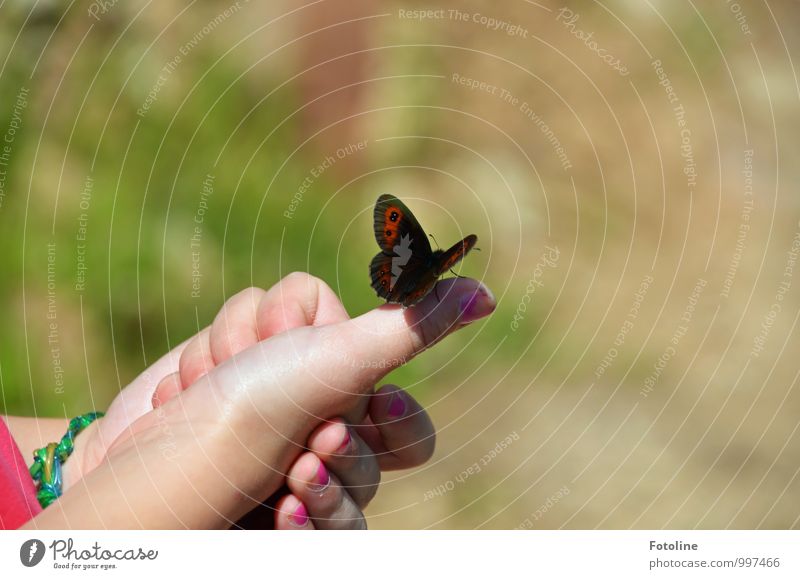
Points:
(419, 276)
(393, 220)
(424, 278)
(380, 272)
(415, 280)
(452, 256)
(404, 271)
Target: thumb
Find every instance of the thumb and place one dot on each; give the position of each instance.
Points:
(389, 336)
(312, 373)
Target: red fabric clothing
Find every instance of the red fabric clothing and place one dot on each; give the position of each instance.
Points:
(18, 503)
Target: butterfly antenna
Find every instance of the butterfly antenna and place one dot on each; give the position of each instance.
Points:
(434, 240)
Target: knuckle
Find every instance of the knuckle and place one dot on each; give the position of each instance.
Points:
(243, 303)
(426, 332)
(299, 276)
(250, 292)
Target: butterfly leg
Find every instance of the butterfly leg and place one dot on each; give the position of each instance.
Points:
(455, 274)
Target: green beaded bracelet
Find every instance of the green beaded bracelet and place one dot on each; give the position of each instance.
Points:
(47, 461)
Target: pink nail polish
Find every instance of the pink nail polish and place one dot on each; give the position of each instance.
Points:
(321, 480)
(397, 405)
(477, 305)
(345, 446)
(299, 518)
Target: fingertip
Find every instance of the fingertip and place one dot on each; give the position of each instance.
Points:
(331, 438)
(292, 514)
(389, 336)
(167, 389)
(307, 469)
(196, 360)
(476, 304)
(389, 404)
(456, 302)
(405, 428)
(234, 327)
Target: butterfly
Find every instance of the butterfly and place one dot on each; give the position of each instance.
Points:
(406, 269)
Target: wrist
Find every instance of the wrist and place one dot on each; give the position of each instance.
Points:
(86, 456)
(49, 461)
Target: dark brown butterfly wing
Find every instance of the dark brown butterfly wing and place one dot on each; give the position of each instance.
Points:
(422, 285)
(414, 282)
(452, 256)
(405, 267)
(380, 271)
(393, 220)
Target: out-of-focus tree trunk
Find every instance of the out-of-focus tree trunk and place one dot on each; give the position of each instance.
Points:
(336, 40)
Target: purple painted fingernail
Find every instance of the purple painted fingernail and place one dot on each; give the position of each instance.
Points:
(321, 480)
(477, 305)
(299, 518)
(397, 404)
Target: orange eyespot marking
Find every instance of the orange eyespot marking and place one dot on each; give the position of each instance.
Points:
(392, 214)
(388, 233)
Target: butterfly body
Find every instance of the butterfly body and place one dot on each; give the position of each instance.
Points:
(406, 269)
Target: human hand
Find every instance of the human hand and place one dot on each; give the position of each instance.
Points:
(291, 382)
(399, 431)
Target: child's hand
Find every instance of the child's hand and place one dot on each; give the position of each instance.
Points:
(399, 431)
(213, 452)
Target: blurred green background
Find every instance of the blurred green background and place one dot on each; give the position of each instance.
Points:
(154, 141)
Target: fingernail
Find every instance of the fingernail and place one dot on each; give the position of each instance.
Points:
(345, 445)
(477, 305)
(321, 480)
(299, 518)
(397, 404)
